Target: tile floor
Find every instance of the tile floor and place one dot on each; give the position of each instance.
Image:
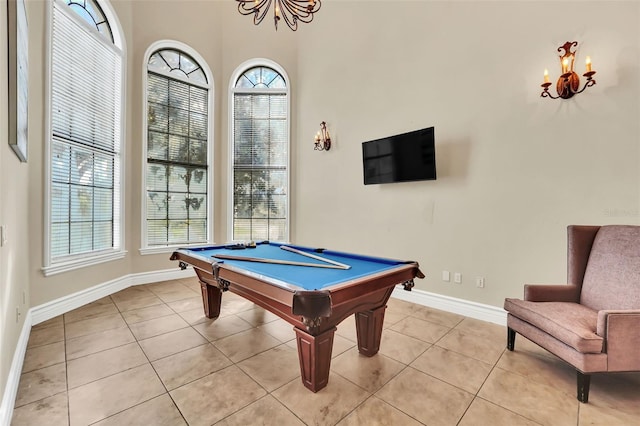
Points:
(148, 356)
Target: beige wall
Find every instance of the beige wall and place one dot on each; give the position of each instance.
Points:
(44, 289)
(14, 256)
(197, 25)
(513, 169)
(217, 32)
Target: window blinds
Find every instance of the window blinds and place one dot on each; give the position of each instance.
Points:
(177, 120)
(260, 157)
(86, 91)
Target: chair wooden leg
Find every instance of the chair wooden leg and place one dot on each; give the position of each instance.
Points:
(511, 338)
(584, 380)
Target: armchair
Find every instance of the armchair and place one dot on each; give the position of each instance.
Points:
(593, 323)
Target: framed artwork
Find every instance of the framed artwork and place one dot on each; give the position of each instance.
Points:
(18, 77)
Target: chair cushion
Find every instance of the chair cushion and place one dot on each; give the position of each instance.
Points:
(612, 277)
(571, 323)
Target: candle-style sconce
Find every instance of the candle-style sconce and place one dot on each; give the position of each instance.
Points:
(569, 83)
(323, 140)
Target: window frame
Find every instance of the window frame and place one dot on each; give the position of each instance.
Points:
(145, 249)
(238, 72)
(118, 250)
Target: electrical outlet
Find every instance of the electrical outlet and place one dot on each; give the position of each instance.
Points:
(480, 282)
(17, 314)
(445, 276)
(457, 277)
(3, 235)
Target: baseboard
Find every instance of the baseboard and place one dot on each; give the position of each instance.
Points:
(13, 380)
(164, 275)
(451, 304)
(73, 301)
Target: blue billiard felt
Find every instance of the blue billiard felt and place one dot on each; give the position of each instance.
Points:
(305, 277)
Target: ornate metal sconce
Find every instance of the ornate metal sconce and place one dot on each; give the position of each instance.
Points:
(569, 83)
(323, 140)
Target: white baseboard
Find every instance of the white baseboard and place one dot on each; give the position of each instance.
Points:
(451, 304)
(73, 301)
(13, 381)
(157, 276)
(46, 311)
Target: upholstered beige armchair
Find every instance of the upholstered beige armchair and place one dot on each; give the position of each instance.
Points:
(593, 323)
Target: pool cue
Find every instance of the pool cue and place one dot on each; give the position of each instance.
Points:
(279, 262)
(313, 256)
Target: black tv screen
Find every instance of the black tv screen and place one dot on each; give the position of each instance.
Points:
(407, 157)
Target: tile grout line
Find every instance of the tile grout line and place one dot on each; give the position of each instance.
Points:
(66, 368)
(148, 363)
(119, 312)
(154, 369)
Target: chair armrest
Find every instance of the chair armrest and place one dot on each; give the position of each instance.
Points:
(606, 315)
(621, 331)
(551, 293)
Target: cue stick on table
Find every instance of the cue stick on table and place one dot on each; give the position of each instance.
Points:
(279, 262)
(313, 256)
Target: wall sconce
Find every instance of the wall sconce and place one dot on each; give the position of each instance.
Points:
(569, 82)
(323, 140)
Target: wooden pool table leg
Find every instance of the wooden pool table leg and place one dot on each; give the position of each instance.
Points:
(314, 353)
(211, 299)
(369, 330)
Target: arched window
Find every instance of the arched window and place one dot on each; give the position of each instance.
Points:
(260, 152)
(84, 194)
(177, 180)
(93, 15)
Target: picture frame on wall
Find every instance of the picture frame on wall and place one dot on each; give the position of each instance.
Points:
(18, 77)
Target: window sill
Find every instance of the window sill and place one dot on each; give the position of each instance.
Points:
(71, 265)
(168, 249)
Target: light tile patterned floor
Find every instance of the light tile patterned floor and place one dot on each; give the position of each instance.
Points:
(148, 356)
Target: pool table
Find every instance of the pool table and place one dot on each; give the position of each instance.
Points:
(305, 288)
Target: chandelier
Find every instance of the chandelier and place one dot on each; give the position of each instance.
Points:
(291, 11)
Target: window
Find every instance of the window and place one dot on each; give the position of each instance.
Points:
(260, 160)
(177, 177)
(84, 158)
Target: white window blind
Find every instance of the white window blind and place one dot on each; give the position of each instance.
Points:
(86, 91)
(177, 125)
(260, 156)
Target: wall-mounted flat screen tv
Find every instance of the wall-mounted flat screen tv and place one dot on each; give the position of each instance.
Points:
(407, 157)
